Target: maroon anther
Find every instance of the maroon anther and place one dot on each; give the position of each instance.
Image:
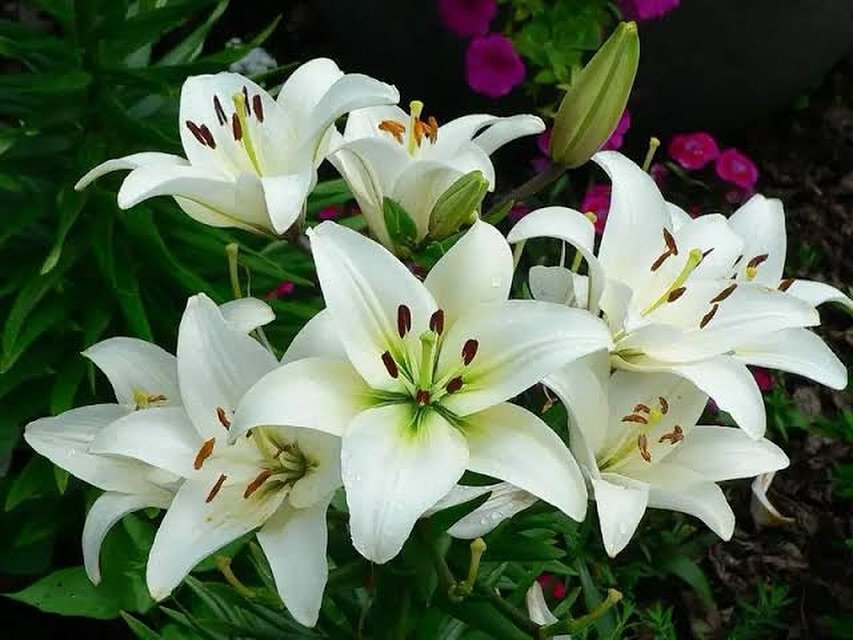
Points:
(469, 350)
(194, 129)
(220, 112)
(390, 365)
(216, 487)
(786, 284)
(246, 100)
(404, 320)
(670, 242)
(208, 136)
(725, 293)
(236, 128)
(454, 385)
(422, 397)
(708, 316)
(258, 106)
(675, 294)
(436, 322)
(757, 260)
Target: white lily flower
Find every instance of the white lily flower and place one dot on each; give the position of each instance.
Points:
(251, 161)
(637, 441)
(420, 393)
(763, 512)
(664, 284)
(386, 152)
(280, 479)
(503, 503)
(142, 376)
(538, 611)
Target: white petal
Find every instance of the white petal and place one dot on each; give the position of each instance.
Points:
(133, 161)
(764, 514)
(732, 387)
(761, 224)
(108, 509)
(621, 503)
(247, 314)
(135, 367)
(632, 238)
(511, 443)
(364, 123)
(537, 608)
(285, 197)
(317, 339)
(504, 502)
(483, 259)
(678, 216)
(306, 86)
(294, 542)
(216, 365)
(796, 351)
(817, 293)
(162, 437)
(552, 284)
(324, 452)
(364, 285)
(583, 392)
(194, 528)
(314, 393)
(505, 130)
(520, 342)
(419, 187)
(65, 441)
(726, 453)
(459, 131)
(394, 470)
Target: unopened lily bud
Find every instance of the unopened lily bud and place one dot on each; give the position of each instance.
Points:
(592, 106)
(458, 205)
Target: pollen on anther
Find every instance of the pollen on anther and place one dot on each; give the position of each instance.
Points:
(258, 106)
(220, 112)
(236, 128)
(786, 284)
(725, 293)
(469, 350)
(203, 453)
(208, 136)
(390, 365)
(454, 385)
(640, 407)
(436, 322)
(660, 260)
(635, 418)
(643, 446)
(670, 242)
(222, 416)
(196, 131)
(708, 316)
(216, 487)
(675, 294)
(396, 129)
(664, 405)
(255, 484)
(404, 320)
(432, 129)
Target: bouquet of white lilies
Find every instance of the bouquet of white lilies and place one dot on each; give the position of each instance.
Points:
(402, 389)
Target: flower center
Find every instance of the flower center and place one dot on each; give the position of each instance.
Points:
(144, 400)
(413, 134)
(642, 426)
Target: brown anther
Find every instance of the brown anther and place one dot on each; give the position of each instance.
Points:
(675, 294)
(725, 293)
(739, 258)
(223, 417)
(469, 350)
(640, 407)
(664, 405)
(203, 453)
(670, 242)
(786, 284)
(757, 260)
(643, 446)
(216, 487)
(661, 259)
(396, 129)
(236, 128)
(208, 136)
(454, 385)
(432, 129)
(673, 437)
(708, 316)
(404, 320)
(153, 399)
(255, 484)
(635, 418)
(422, 397)
(220, 112)
(436, 322)
(196, 131)
(390, 365)
(258, 106)
(418, 130)
(246, 101)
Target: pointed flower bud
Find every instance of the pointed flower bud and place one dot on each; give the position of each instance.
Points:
(591, 108)
(458, 205)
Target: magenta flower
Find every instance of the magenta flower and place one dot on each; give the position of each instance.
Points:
(737, 168)
(617, 138)
(492, 65)
(330, 213)
(597, 200)
(763, 378)
(543, 142)
(552, 585)
(284, 288)
(646, 9)
(467, 17)
(659, 173)
(693, 150)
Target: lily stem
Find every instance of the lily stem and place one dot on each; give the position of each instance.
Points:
(223, 563)
(231, 251)
(579, 624)
(533, 186)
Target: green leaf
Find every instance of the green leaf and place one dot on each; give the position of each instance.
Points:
(35, 480)
(399, 223)
(686, 569)
(189, 48)
(69, 592)
(139, 629)
(69, 205)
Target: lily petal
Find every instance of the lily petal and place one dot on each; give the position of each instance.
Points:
(246, 314)
(314, 393)
(137, 369)
(421, 184)
(317, 339)
(520, 342)
(583, 392)
(306, 86)
(133, 161)
(505, 130)
(108, 509)
(483, 258)
(510, 443)
(817, 293)
(325, 476)
(394, 470)
(285, 197)
(294, 542)
(504, 502)
(552, 284)
(537, 608)
(761, 223)
(621, 503)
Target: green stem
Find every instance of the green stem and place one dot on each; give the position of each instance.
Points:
(223, 563)
(231, 251)
(579, 624)
(517, 617)
(533, 186)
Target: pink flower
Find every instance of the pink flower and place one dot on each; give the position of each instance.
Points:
(552, 585)
(284, 288)
(618, 136)
(467, 17)
(492, 65)
(518, 211)
(597, 201)
(646, 9)
(659, 173)
(330, 213)
(763, 378)
(737, 168)
(693, 150)
(543, 142)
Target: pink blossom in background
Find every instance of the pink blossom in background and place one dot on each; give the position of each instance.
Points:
(552, 585)
(467, 17)
(540, 163)
(737, 168)
(659, 173)
(597, 200)
(646, 9)
(331, 212)
(543, 142)
(284, 288)
(763, 378)
(617, 138)
(693, 150)
(492, 65)
(518, 211)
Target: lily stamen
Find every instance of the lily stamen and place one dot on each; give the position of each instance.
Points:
(222, 416)
(725, 293)
(216, 487)
(396, 129)
(390, 364)
(404, 320)
(635, 418)
(469, 350)
(752, 265)
(643, 446)
(255, 484)
(673, 437)
(220, 112)
(786, 284)
(708, 316)
(203, 453)
(436, 322)
(454, 385)
(693, 260)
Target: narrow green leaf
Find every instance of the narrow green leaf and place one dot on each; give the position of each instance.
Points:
(69, 592)
(139, 629)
